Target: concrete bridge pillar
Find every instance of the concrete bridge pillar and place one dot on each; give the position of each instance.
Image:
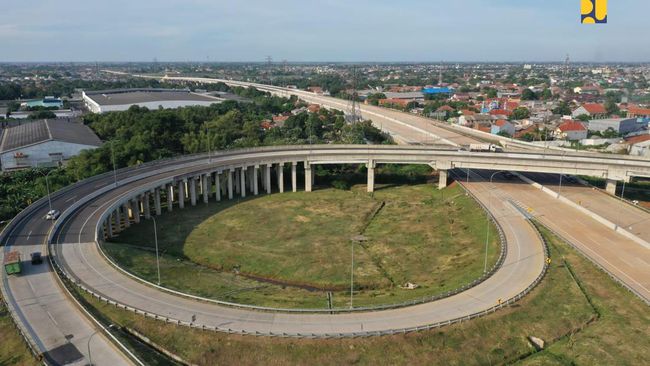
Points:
(135, 204)
(309, 177)
(611, 186)
(249, 178)
(170, 197)
(256, 188)
(181, 193)
(443, 177)
(280, 175)
(192, 184)
(156, 201)
(242, 181)
(109, 226)
(126, 207)
(118, 218)
(267, 178)
(205, 187)
(294, 180)
(236, 178)
(146, 205)
(371, 176)
(230, 195)
(217, 186)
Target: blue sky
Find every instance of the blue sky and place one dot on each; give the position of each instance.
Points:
(325, 30)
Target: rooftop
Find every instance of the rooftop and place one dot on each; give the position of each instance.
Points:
(133, 96)
(47, 130)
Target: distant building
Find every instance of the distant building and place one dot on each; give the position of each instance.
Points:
(503, 126)
(639, 145)
(122, 99)
(44, 143)
(593, 110)
(638, 112)
(437, 91)
(47, 102)
(619, 125)
(571, 130)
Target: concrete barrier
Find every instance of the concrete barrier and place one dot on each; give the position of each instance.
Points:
(585, 211)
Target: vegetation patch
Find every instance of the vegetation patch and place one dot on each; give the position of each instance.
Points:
(583, 315)
(13, 350)
(295, 249)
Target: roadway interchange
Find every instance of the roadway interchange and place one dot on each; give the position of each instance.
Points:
(60, 331)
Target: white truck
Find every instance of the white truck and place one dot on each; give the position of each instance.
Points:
(485, 148)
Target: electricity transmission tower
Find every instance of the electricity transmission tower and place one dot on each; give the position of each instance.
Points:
(354, 109)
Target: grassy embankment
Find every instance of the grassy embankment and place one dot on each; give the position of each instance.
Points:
(289, 250)
(584, 316)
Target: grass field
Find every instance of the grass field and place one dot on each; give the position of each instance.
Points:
(584, 316)
(288, 250)
(13, 350)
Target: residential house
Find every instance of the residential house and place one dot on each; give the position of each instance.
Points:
(571, 130)
(593, 110)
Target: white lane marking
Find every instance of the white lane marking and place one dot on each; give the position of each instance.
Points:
(29, 234)
(52, 318)
(73, 198)
(32, 287)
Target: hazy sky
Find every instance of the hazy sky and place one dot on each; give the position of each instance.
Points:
(325, 30)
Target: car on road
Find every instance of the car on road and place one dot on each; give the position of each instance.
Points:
(36, 258)
(52, 215)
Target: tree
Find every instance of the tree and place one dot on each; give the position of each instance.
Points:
(547, 94)
(583, 118)
(528, 94)
(562, 109)
(491, 93)
(374, 98)
(42, 114)
(611, 106)
(520, 113)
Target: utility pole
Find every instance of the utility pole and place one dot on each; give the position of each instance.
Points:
(354, 109)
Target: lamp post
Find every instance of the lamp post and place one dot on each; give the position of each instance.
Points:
(114, 165)
(487, 236)
(155, 237)
(47, 187)
(559, 191)
(352, 273)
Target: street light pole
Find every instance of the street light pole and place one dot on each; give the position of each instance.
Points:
(623, 191)
(560, 188)
(90, 357)
(352, 274)
(155, 236)
(114, 165)
(47, 186)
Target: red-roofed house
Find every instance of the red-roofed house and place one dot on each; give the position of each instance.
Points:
(571, 130)
(393, 101)
(638, 112)
(445, 108)
(313, 108)
(593, 110)
(502, 126)
(500, 112)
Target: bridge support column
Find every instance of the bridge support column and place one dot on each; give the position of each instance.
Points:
(280, 175)
(237, 180)
(217, 186)
(126, 206)
(249, 178)
(118, 218)
(205, 187)
(146, 205)
(309, 177)
(294, 180)
(181, 194)
(371, 176)
(443, 177)
(256, 188)
(267, 178)
(611, 186)
(109, 226)
(156, 201)
(192, 184)
(170, 197)
(242, 181)
(135, 204)
(230, 195)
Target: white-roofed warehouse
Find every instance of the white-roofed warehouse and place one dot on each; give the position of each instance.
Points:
(44, 143)
(114, 100)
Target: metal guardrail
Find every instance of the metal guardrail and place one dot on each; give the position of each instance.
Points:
(61, 272)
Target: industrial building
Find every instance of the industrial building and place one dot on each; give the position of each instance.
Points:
(103, 101)
(618, 125)
(44, 143)
(47, 102)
